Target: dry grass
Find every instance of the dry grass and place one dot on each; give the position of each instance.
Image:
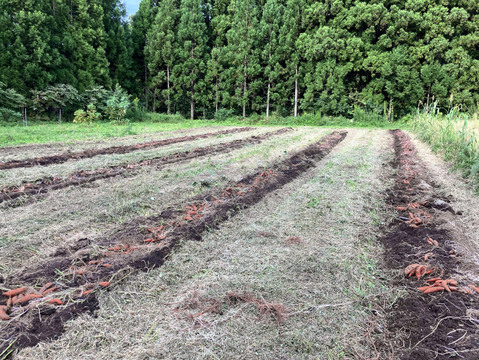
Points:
(243, 293)
(17, 175)
(35, 150)
(30, 233)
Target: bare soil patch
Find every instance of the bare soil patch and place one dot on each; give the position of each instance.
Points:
(61, 158)
(48, 184)
(438, 318)
(145, 243)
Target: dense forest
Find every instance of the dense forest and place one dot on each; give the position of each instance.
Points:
(241, 57)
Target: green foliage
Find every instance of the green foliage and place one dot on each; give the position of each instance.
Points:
(55, 98)
(353, 59)
(118, 104)
(223, 114)
(451, 135)
(89, 116)
(80, 117)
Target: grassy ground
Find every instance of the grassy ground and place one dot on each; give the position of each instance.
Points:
(454, 136)
(41, 132)
(309, 250)
(327, 279)
(89, 211)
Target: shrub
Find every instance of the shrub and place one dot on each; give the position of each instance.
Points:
(223, 114)
(118, 104)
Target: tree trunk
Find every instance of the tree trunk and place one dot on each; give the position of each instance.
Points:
(267, 99)
(216, 96)
(168, 86)
(146, 86)
(71, 11)
(296, 93)
(60, 116)
(244, 90)
(53, 7)
(192, 103)
(154, 100)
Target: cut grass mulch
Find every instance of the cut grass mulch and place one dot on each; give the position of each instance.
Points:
(202, 212)
(61, 158)
(47, 184)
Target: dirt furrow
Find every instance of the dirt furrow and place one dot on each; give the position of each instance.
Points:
(438, 318)
(141, 244)
(61, 158)
(48, 184)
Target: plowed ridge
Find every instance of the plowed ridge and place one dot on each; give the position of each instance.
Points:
(432, 321)
(82, 177)
(61, 158)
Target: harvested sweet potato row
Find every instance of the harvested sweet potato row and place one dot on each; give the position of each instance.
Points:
(14, 292)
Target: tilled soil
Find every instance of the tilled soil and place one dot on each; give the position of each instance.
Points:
(441, 324)
(61, 158)
(48, 184)
(140, 244)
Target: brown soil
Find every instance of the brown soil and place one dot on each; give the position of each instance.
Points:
(61, 158)
(146, 242)
(439, 325)
(48, 184)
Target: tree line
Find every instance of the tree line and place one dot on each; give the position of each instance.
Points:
(243, 57)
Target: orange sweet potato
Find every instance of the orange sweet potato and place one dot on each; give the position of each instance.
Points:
(104, 283)
(433, 289)
(55, 301)
(14, 292)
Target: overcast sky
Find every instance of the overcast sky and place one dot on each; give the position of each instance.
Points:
(131, 6)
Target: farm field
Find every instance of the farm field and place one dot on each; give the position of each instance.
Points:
(237, 242)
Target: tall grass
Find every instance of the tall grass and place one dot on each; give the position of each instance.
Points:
(452, 135)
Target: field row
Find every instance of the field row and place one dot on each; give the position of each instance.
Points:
(260, 243)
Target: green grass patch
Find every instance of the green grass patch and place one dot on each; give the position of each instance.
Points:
(453, 136)
(40, 132)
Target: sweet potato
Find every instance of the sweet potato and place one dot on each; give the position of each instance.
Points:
(410, 268)
(107, 265)
(26, 298)
(44, 287)
(104, 283)
(14, 292)
(433, 289)
(3, 313)
(48, 291)
(422, 288)
(55, 301)
(433, 279)
(86, 292)
(420, 271)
